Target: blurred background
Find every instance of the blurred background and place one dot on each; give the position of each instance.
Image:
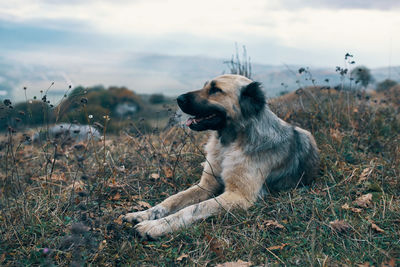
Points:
(88, 132)
(173, 46)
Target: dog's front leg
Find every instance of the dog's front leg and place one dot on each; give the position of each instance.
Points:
(185, 217)
(206, 189)
(242, 186)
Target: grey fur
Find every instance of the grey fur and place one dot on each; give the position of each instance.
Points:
(295, 156)
(250, 151)
(228, 134)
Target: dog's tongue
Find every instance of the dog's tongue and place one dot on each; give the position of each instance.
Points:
(189, 121)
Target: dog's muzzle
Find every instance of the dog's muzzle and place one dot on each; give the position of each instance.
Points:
(207, 116)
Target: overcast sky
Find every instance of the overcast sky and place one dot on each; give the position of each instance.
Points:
(98, 35)
(275, 31)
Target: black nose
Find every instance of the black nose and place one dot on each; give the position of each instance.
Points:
(181, 100)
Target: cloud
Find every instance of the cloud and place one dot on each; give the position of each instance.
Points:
(274, 31)
(341, 4)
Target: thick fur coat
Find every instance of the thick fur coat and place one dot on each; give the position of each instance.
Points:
(250, 151)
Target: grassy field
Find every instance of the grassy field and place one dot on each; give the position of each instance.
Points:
(63, 205)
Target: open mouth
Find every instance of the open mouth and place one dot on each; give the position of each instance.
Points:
(214, 121)
(196, 120)
(204, 115)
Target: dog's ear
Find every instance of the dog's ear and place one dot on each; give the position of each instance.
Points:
(251, 100)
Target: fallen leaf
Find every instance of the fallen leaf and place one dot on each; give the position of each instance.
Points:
(364, 175)
(119, 220)
(77, 186)
(58, 177)
(144, 204)
(336, 135)
(376, 227)
(181, 257)
(102, 244)
(390, 263)
(347, 207)
(133, 197)
(238, 263)
(273, 224)
(117, 196)
(168, 172)
(278, 247)
(216, 246)
(155, 176)
(365, 264)
(115, 184)
(364, 201)
(287, 116)
(54, 177)
(340, 225)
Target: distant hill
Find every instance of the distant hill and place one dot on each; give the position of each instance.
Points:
(153, 73)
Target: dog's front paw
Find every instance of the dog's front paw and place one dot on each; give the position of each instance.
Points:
(150, 230)
(153, 213)
(136, 217)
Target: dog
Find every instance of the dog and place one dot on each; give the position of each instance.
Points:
(250, 151)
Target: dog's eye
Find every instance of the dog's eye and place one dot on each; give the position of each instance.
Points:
(214, 90)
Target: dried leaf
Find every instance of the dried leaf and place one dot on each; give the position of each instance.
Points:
(336, 135)
(273, 224)
(216, 246)
(347, 207)
(168, 172)
(119, 220)
(54, 177)
(181, 257)
(58, 177)
(3, 257)
(364, 201)
(287, 116)
(364, 175)
(390, 263)
(376, 227)
(155, 176)
(365, 264)
(102, 244)
(144, 204)
(238, 263)
(115, 184)
(77, 186)
(340, 225)
(117, 196)
(278, 247)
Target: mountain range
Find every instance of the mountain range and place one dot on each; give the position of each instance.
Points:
(155, 73)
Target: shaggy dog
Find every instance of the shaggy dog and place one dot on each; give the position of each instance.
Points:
(250, 151)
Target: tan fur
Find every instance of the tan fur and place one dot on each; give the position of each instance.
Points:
(231, 168)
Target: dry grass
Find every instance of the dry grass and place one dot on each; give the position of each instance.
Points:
(62, 206)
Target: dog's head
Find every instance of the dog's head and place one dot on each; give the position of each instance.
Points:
(223, 100)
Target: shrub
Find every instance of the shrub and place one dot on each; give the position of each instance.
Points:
(25, 114)
(362, 75)
(385, 85)
(98, 101)
(157, 99)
